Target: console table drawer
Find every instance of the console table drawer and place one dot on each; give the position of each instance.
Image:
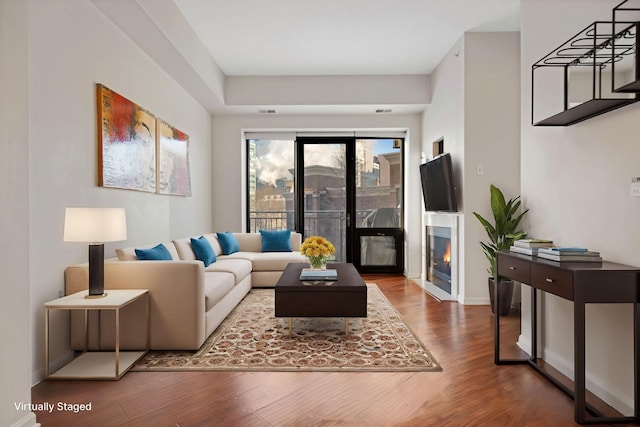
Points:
(515, 269)
(553, 280)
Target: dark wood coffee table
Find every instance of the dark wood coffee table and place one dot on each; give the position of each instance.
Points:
(345, 297)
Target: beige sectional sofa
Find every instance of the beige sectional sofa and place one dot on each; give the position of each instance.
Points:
(187, 300)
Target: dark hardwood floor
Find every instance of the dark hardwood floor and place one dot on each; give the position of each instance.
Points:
(471, 390)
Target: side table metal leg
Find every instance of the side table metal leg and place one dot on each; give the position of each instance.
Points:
(148, 319)
(117, 373)
(46, 342)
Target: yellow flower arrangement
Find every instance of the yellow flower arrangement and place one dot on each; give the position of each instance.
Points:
(317, 249)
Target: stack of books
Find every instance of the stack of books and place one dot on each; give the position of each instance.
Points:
(310, 274)
(568, 254)
(530, 246)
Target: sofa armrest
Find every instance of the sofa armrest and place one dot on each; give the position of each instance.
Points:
(177, 304)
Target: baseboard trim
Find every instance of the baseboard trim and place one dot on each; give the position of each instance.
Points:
(594, 385)
(38, 375)
(524, 343)
(29, 420)
(474, 301)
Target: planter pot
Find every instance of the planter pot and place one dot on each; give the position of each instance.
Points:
(505, 290)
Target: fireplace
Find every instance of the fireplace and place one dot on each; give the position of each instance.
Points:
(440, 254)
(438, 257)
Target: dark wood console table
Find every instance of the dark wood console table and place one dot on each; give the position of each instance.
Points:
(583, 283)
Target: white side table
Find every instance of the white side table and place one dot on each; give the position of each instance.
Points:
(102, 365)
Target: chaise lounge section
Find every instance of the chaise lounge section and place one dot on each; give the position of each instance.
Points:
(188, 300)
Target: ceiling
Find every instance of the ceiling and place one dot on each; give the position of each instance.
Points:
(339, 37)
(305, 56)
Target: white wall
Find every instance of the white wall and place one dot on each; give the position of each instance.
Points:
(445, 116)
(229, 164)
(476, 108)
(328, 90)
(73, 46)
(444, 119)
(15, 324)
(492, 139)
(576, 182)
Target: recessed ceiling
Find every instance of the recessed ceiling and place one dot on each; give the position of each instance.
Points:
(339, 37)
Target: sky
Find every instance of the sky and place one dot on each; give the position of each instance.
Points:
(275, 158)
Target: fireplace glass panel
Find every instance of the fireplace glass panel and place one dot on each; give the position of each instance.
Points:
(438, 258)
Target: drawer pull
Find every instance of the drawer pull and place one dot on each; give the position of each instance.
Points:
(512, 268)
(548, 280)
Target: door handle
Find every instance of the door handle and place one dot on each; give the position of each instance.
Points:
(348, 220)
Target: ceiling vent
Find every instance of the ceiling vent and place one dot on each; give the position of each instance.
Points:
(267, 111)
(383, 110)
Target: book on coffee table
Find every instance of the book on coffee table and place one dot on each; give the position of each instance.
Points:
(328, 274)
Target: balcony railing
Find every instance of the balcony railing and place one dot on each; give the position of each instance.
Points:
(271, 220)
(330, 224)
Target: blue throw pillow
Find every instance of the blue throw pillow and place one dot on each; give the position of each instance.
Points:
(276, 240)
(156, 253)
(228, 242)
(203, 250)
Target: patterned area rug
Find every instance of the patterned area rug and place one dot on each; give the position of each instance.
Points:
(252, 339)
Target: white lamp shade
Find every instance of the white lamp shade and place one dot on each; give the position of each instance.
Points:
(95, 225)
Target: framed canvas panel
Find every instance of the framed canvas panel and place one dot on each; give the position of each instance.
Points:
(126, 143)
(173, 160)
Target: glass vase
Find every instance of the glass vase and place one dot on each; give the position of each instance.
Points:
(318, 262)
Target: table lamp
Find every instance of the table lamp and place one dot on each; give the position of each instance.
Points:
(95, 226)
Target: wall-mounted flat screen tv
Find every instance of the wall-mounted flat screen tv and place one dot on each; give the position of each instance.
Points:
(438, 187)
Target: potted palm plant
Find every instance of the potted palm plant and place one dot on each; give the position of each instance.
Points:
(502, 234)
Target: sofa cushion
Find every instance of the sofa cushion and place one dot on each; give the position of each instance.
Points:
(215, 244)
(216, 286)
(252, 242)
(249, 242)
(156, 253)
(268, 261)
(184, 249)
(240, 268)
(228, 242)
(275, 261)
(129, 254)
(276, 240)
(203, 250)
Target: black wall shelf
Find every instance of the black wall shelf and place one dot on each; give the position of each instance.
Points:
(584, 111)
(584, 69)
(627, 78)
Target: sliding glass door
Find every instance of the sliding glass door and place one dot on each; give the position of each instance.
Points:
(324, 204)
(378, 234)
(346, 189)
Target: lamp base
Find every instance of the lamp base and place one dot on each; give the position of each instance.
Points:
(95, 296)
(96, 269)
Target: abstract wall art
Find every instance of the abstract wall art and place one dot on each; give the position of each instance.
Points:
(126, 143)
(137, 151)
(173, 160)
